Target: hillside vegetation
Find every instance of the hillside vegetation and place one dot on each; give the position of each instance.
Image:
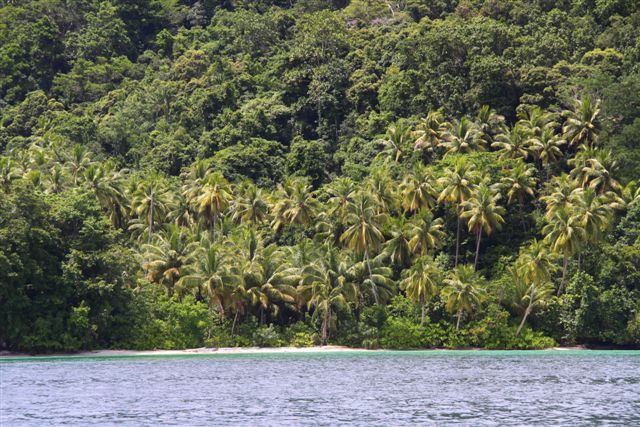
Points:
(395, 174)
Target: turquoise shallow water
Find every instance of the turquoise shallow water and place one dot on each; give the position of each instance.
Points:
(350, 388)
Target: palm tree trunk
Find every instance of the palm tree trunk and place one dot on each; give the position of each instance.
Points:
(521, 203)
(373, 286)
(325, 326)
(565, 261)
(151, 219)
(457, 236)
(526, 312)
(479, 236)
(233, 325)
(458, 321)
(422, 304)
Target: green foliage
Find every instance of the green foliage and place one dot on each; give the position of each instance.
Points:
(404, 174)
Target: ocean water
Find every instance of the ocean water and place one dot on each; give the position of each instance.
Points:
(352, 388)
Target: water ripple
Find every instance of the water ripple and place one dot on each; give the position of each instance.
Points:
(356, 389)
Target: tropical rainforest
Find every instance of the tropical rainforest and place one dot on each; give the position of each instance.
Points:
(381, 174)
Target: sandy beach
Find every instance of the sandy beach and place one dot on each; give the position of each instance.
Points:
(233, 350)
(202, 350)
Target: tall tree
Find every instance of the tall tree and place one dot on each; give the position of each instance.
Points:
(483, 213)
(457, 185)
(421, 283)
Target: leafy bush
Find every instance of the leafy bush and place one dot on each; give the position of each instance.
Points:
(267, 336)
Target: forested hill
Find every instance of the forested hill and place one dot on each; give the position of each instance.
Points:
(399, 174)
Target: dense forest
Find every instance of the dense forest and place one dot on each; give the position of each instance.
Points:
(382, 174)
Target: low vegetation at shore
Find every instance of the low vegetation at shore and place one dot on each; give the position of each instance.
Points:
(451, 174)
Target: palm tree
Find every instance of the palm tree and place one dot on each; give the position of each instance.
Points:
(483, 213)
(547, 147)
(489, 123)
(396, 141)
(462, 292)
(150, 202)
(598, 172)
(55, 179)
(166, 257)
(457, 186)
(528, 296)
(535, 263)
(463, 137)
(425, 232)
(210, 269)
(536, 121)
(213, 199)
(559, 197)
(371, 278)
(294, 203)
(564, 234)
(397, 248)
(421, 283)
(250, 204)
(417, 190)
(531, 275)
(383, 188)
(519, 183)
(78, 161)
(582, 125)
(364, 231)
(513, 144)
(327, 288)
(105, 182)
(8, 173)
(592, 213)
(429, 132)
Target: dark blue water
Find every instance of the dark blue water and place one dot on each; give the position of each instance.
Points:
(383, 388)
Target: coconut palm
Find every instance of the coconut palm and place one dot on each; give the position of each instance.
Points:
(165, 258)
(397, 248)
(425, 232)
(582, 125)
(212, 200)
(326, 287)
(512, 144)
(8, 173)
(546, 147)
(294, 203)
(463, 137)
(104, 181)
(518, 184)
(462, 292)
(421, 283)
(77, 161)
(371, 278)
(383, 188)
(528, 296)
(536, 121)
(559, 194)
(250, 204)
(565, 235)
(482, 213)
(535, 263)
(211, 271)
(489, 123)
(150, 202)
(599, 171)
(430, 131)
(593, 214)
(417, 191)
(457, 186)
(364, 227)
(396, 141)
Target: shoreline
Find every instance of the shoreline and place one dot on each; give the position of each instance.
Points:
(247, 350)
